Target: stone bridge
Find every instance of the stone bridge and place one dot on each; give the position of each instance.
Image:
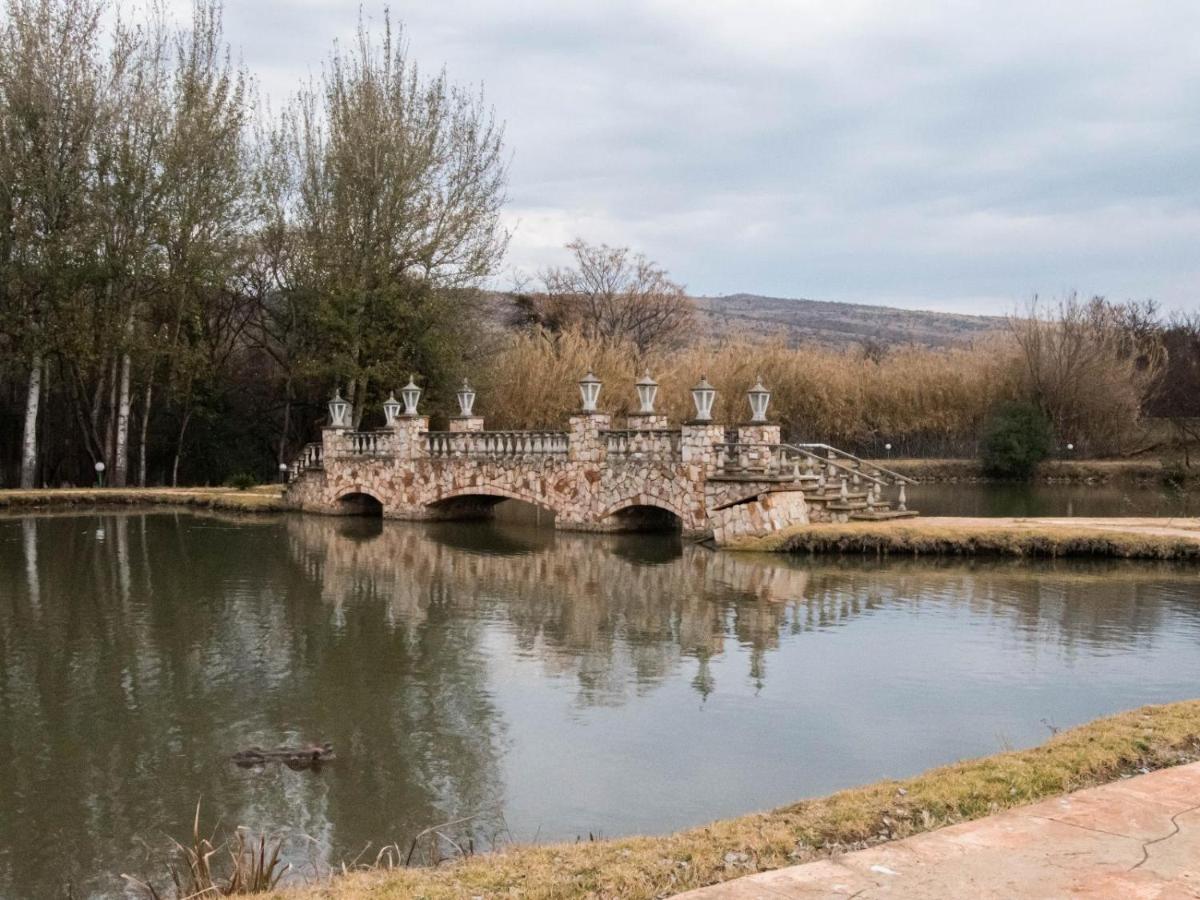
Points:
(591, 476)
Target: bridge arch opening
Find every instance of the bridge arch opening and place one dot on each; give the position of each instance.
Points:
(644, 517)
(500, 507)
(358, 503)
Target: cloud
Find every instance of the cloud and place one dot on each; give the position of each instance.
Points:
(955, 155)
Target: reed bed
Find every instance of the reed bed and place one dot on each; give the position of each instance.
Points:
(821, 393)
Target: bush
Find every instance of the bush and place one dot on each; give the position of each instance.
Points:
(242, 481)
(1018, 437)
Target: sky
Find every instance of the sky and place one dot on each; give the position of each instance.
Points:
(959, 156)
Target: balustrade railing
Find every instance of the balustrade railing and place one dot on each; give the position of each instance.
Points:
(495, 444)
(312, 456)
(851, 461)
(659, 443)
(368, 443)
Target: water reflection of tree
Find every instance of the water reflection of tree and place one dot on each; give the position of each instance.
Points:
(125, 687)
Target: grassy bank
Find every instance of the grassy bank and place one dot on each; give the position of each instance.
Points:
(266, 498)
(1164, 539)
(1140, 473)
(645, 867)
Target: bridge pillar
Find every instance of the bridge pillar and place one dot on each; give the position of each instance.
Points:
(698, 443)
(585, 444)
(646, 422)
(466, 423)
(409, 437)
(759, 440)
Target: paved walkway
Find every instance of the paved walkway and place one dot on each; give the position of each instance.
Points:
(1135, 838)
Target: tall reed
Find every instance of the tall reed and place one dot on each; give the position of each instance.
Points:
(819, 393)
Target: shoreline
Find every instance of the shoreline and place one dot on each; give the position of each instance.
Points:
(1133, 473)
(263, 499)
(1045, 538)
(1099, 752)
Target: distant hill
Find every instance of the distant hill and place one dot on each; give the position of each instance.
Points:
(837, 323)
(797, 321)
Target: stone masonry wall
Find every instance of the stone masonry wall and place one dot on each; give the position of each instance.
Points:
(585, 487)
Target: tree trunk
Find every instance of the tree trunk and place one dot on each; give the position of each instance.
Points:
(145, 427)
(287, 419)
(29, 446)
(110, 438)
(179, 447)
(120, 475)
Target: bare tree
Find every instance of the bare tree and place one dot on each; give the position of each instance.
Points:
(1176, 396)
(613, 294)
(1090, 365)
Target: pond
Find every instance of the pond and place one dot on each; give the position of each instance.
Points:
(1050, 500)
(540, 685)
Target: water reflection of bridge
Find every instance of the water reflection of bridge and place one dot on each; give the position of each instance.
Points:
(624, 609)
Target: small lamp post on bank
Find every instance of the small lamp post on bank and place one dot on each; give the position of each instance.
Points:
(283, 473)
(99, 473)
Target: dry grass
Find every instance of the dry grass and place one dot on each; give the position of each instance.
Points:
(1163, 539)
(824, 392)
(253, 867)
(646, 867)
(267, 498)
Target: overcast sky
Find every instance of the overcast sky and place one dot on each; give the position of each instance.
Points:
(956, 156)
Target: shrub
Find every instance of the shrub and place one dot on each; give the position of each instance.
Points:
(242, 481)
(1018, 437)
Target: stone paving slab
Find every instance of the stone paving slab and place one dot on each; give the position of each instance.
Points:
(1134, 838)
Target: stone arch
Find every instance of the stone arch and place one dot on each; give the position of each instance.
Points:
(357, 501)
(487, 492)
(645, 502)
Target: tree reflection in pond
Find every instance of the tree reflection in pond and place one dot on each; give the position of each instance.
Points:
(554, 683)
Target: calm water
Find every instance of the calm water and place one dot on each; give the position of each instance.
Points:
(1049, 500)
(549, 685)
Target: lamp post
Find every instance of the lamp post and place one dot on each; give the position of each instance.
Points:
(759, 398)
(99, 473)
(647, 391)
(888, 448)
(703, 396)
(411, 395)
(391, 409)
(466, 399)
(283, 473)
(339, 411)
(589, 391)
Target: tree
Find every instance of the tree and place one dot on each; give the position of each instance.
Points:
(50, 109)
(1018, 438)
(614, 295)
(398, 184)
(1090, 365)
(1176, 396)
